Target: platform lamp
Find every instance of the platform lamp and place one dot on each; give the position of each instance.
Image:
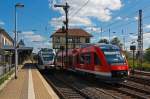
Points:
(17, 5)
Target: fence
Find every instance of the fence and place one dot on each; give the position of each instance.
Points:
(5, 68)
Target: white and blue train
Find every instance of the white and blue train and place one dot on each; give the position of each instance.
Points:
(46, 58)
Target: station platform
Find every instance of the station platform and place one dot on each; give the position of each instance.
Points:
(29, 85)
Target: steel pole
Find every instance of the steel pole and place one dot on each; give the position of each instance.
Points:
(15, 44)
(133, 61)
(109, 35)
(66, 12)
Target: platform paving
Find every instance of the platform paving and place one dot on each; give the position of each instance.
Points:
(29, 85)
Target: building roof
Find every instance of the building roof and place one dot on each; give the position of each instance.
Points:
(21, 43)
(20, 48)
(6, 34)
(72, 32)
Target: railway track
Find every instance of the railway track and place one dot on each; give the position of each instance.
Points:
(91, 90)
(134, 90)
(127, 90)
(142, 72)
(74, 87)
(99, 90)
(67, 90)
(140, 77)
(124, 90)
(64, 90)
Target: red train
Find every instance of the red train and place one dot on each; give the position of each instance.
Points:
(105, 61)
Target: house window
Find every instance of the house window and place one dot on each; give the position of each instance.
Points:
(78, 39)
(2, 41)
(70, 40)
(57, 39)
(87, 40)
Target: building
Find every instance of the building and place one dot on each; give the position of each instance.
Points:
(5, 56)
(76, 37)
(7, 52)
(5, 39)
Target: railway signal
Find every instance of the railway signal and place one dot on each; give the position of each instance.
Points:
(133, 48)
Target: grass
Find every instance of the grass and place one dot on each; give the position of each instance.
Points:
(5, 76)
(145, 65)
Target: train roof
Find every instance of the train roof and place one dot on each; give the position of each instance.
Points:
(46, 50)
(103, 46)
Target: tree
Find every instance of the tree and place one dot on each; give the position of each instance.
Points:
(103, 41)
(147, 54)
(116, 41)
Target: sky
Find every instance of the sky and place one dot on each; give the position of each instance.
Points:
(39, 19)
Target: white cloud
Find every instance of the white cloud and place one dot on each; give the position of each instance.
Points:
(36, 38)
(118, 18)
(78, 21)
(39, 45)
(126, 19)
(2, 23)
(33, 37)
(56, 22)
(136, 17)
(28, 33)
(93, 29)
(147, 26)
(75, 21)
(99, 9)
(146, 40)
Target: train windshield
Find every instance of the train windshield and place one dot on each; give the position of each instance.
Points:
(113, 54)
(48, 57)
(114, 57)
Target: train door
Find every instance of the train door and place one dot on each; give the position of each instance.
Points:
(82, 61)
(97, 62)
(88, 61)
(74, 61)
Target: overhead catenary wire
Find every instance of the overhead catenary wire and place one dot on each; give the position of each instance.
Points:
(126, 16)
(114, 23)
(80, 8)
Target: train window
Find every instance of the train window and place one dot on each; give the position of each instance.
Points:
(88, 58)
(70, 60)
(96, 59)
(82, 59)
(77, 59)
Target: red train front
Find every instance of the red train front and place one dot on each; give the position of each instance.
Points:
(105, 61)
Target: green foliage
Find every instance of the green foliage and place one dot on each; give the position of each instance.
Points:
(5, 76)
(145, 65)
(2, 63)
(116, 41)
(127, 54)
(147, 55)
(103, 41)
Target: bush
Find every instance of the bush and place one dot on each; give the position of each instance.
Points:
(2, 63)
(145, 65)
(5, 76)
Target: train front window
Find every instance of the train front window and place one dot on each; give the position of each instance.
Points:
(48, 57)
(114, 57)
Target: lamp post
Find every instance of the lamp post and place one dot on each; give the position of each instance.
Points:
(18, 5)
